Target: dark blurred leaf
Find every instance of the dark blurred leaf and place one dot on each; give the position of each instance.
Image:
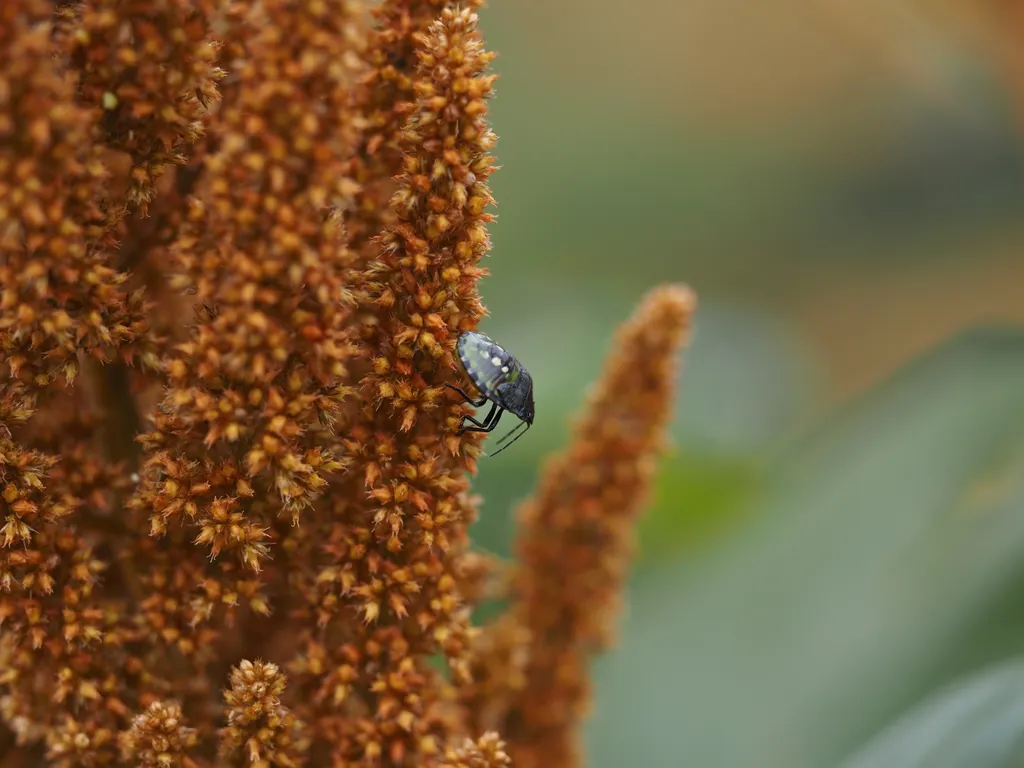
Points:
(977, 723)
(880, 546)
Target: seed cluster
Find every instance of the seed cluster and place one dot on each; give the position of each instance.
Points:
(59, 297)
(261, 732)
(397, 565)
(148, 65)
(385, 102)
(266, 357)
(238, 243)
(159, 738)
(575, 543)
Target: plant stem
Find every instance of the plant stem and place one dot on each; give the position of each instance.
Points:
(121, 423)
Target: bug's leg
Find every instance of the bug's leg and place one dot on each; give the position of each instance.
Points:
(488, 424)
(484, 425)
(523, 432)
(467, 398)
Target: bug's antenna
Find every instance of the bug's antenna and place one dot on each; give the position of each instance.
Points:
(503, 447)
(508, 434)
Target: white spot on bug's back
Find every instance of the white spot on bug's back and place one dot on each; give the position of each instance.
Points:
(504, 369)
(495, 360)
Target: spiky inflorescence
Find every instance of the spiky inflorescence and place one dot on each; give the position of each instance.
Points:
(148, 65)
(385, 99)
(575, 538)
(72, 672)
(65, 679)
(48, 571)
(486, 752)
(238, 441)
(423, 287)
(159, 738)
(260, 731)
(398, 559)
(60, 296)
(307, 343)
(31, 517)
(147, 73)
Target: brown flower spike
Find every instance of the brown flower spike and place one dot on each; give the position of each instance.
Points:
(260, 461)
(396, 560)
(575, 542)
(159, 738)
(486, 752)
(386, 97)
(235, 448)
(147, 66)
(261, 733)
(59, 296)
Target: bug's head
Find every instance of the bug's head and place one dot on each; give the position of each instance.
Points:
(528, 409)
(526, 397)
(517, 396)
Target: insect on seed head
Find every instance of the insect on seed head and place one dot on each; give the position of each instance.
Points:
(500, 378)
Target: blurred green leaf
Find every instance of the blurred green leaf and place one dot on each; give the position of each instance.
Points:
(883, 542)
(695, 497)
(747, 379)
(978, 723)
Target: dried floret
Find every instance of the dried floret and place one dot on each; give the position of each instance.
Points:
(159, 738)
(261, 732)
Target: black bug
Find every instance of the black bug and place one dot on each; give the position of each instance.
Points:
(501, 379)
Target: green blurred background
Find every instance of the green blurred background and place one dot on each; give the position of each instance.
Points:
(839, 531)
